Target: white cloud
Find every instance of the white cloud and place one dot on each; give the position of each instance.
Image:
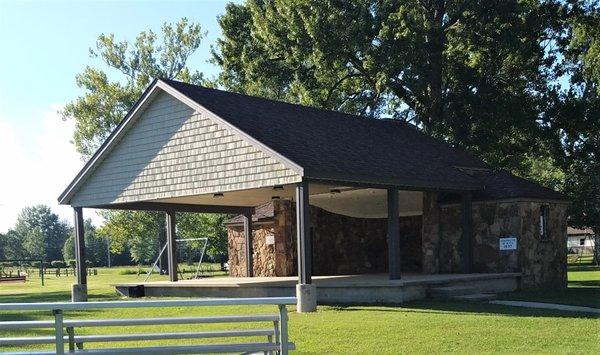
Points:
(37, 161)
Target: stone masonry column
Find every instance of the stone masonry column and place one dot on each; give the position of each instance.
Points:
(431, 233)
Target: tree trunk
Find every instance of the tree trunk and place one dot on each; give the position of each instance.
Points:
(435, 45)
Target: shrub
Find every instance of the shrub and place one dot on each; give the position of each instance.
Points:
(58, 264)
(72, 262)
(128, 272)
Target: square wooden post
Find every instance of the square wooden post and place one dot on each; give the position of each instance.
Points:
(467, 232)
(248, 245)
(171, 246)
(79, 290)
(393, 234)
(303, 234)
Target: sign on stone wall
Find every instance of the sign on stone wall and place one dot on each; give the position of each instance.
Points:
(509, 243)
(270, 239)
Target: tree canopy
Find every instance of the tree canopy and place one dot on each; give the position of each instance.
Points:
(41, 233)
(105, 101)
(515, 82)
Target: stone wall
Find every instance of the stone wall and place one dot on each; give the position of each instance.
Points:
(431, 243)
(341, 244)
(347, 245)
(269, 260)
(541, 262)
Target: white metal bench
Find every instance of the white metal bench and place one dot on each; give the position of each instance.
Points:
(276, 335)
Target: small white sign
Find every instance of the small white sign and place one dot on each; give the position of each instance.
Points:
(508, 243)
(270, 239)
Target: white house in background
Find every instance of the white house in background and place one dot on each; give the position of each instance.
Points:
(580, 238)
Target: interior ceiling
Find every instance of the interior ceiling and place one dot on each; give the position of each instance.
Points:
(347, 201)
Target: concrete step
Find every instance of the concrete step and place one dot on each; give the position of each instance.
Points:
(451, 291)
(475, 297)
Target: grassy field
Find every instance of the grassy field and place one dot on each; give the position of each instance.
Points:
(416, 327)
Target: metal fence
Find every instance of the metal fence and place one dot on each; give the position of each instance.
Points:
(276, 336)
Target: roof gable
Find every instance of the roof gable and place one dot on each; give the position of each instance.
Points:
(171, 150)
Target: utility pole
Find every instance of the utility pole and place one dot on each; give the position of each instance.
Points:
(108, 250)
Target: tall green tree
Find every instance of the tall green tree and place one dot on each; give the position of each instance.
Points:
(142, 233)
(576, 111)
(106, 100)
(42, 233)
(471, 72)
(204, 225)
(11, 245)
(96, 246)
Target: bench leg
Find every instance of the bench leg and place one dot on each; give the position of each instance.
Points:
(71, 333)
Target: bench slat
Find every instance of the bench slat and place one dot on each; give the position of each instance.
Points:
(192, 349)
(144, 336)
(140, 321)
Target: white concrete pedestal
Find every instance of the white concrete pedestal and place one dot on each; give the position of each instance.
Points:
(79, 293)
(306, 295)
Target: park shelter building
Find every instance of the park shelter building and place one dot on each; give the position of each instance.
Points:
(320, 192)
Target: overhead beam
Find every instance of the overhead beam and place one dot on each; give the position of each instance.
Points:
(177, 207)
(248, 245)
(393, 234)
(172, 245)
(303, 234)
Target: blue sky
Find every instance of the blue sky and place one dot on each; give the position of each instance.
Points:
(44, 44)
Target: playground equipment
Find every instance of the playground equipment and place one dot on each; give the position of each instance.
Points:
(185, 240)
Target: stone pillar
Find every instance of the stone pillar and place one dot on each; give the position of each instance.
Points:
(431, 233)
(79, 290)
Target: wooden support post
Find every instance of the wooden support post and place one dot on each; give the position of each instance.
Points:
(171, 246)
(80, 247)
(248, 245)
(467, 232)
(393, 234)
(303, 233)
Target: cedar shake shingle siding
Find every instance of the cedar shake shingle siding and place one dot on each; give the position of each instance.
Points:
(172, 151)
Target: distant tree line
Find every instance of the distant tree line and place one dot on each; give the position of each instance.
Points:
(132, 238)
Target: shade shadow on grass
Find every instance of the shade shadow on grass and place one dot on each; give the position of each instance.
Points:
(52, 296)
(463, 308)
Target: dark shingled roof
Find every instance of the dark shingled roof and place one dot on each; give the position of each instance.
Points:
(502, 185)
(334, 146)
(330, 145)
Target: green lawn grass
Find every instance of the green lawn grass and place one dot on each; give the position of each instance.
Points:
(416, 327)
